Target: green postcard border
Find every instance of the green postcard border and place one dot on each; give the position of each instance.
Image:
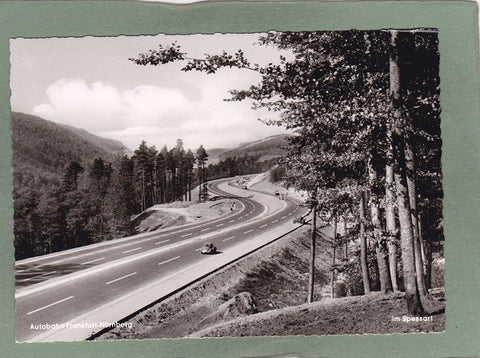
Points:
(457, 25)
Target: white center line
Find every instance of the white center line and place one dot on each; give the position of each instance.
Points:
(219, 225)
(135, 249)
(50, 305)
(173, 258)
(263, 225)
(92, 261)
(205, 229)
(198, 249)
(190, 233)
(274, 221)
(246, 232)
(240, 217)
(283, 217)
(231, 221)
(34, 277)
(121, 278)
(161, 242)
(229, 238)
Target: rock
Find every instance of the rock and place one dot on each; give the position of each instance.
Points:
(240, 305)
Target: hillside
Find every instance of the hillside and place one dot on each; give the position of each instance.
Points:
(267, 148)
(42, 149)
(214, 155)
(109, 145)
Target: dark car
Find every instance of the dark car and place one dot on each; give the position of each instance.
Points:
(208, 248)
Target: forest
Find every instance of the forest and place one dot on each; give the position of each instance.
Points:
(71, 194)
(366, 112)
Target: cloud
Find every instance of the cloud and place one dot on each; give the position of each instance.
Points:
(94, 108)
(158, 115)
(100, 107)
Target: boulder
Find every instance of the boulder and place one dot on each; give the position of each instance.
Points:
(240, 305)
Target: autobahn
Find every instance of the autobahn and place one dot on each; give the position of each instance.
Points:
(64, 287)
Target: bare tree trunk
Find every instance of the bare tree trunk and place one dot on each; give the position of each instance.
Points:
(411, 180)
(383, 270)
(422, 245)
(200, 180)
(144, 204)
(428, 266)
(391, 225)
(311, 277)
(363, 246)
(407, 241)
(334, 252)
(412, 295)
(344, 224)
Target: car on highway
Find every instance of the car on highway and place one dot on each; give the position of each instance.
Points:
(208, 248)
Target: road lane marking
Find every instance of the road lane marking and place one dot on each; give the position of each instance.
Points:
(50, 305)
(191, 233)
(248, 231)
(121, 278)
(173, 258)
(34, 277)
(231, 221)
(274, 221)
(263, 226)
(283, 217)
(198, 249)
(206, 229)
(161, 242)
(131, 250)
(92, 261)
(219, 225)
(229, 238)
(240, 217)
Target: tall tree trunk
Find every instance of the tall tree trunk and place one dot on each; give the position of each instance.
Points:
(334, 236)
(190, 186)
(155, 183)
(344, 226)
(363, 246)
(311, 276)
(144, 204)
(382, 262)
(428, 266)
(391, 225)
(412, 192)
(412, 295)
(422, 245)
(199, 182)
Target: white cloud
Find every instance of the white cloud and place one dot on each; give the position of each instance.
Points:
(158, 115)
(94, 108)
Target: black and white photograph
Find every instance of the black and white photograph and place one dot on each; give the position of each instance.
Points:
(227, 185)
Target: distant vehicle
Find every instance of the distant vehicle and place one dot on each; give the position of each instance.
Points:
(299, 220)
(277, 192)
(208, 248)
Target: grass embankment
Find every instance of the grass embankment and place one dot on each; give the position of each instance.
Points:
(276, 277)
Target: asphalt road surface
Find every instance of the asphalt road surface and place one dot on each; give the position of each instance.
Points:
(59, 287)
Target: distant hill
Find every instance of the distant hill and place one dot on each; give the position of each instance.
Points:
(215, 154)
(42, 150)
(267, 148)
(109, 145)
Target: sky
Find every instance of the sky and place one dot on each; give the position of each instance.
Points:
(90, 83)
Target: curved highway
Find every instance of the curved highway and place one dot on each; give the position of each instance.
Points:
(59, 287)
